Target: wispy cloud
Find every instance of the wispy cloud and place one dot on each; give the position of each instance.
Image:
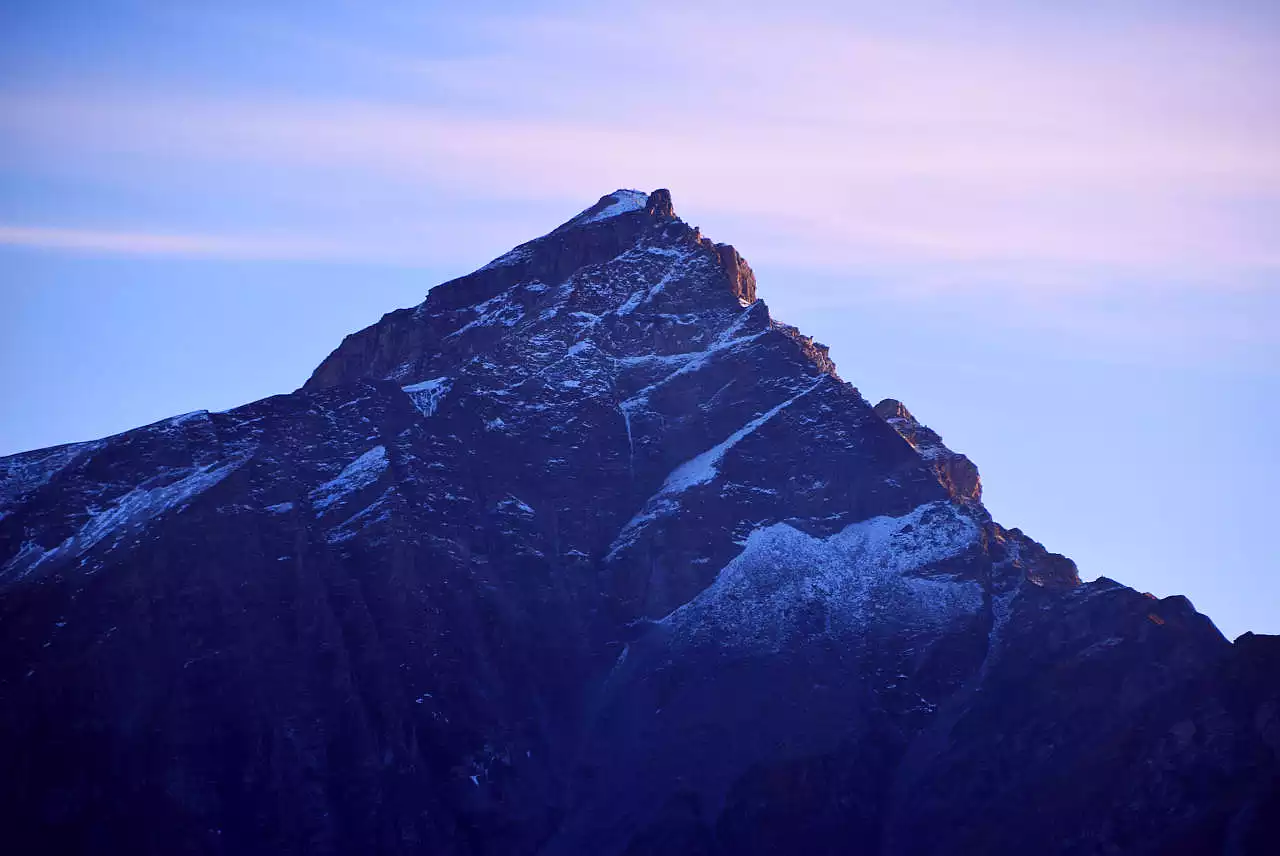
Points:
(815, 139)
(164, 244)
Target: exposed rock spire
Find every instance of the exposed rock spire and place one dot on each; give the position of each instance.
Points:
(660, 204)
(957, 473)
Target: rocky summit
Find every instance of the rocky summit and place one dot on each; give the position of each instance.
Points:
(589, 554)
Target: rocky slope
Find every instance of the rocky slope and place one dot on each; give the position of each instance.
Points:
(588, 554)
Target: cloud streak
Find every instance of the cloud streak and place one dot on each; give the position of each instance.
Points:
(100, 242)
(816, 140)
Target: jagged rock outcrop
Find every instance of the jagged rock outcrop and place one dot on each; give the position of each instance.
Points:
(587, 553)
(742, 282)
(956, 472)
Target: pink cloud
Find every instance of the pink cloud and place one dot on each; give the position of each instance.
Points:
(105, 242)
(826, 140)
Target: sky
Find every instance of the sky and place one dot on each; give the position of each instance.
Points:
(1052, 230)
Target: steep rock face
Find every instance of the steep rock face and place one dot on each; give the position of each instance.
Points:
(956, 472)
(588, 554)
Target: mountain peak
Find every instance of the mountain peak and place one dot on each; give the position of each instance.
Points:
(610, 205)
(624, 201)
(627, 260)
(891, 409)
(660, 204)
(586, 553)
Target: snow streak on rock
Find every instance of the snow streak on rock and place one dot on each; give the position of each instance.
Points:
(359, 474)
(21, 475)
(427, 395)
(621, 202)
(159, 495)
(697, 471)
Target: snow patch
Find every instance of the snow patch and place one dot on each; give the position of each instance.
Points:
(22, 474)
(624, 202)
(515, 504)
(786, 582)
(128, 511)
(428, 394)
(359, 474)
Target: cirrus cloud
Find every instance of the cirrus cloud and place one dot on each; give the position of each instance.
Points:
(812, 139)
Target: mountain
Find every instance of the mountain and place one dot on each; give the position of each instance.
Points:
(588, 554)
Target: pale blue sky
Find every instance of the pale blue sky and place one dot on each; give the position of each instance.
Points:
(1054, 235)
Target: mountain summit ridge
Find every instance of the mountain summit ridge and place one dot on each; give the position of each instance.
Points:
(595, 236)
(587, 553)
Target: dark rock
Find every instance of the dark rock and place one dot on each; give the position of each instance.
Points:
(742, 282)
(660, 204)
(588, 554)
(957, 473)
